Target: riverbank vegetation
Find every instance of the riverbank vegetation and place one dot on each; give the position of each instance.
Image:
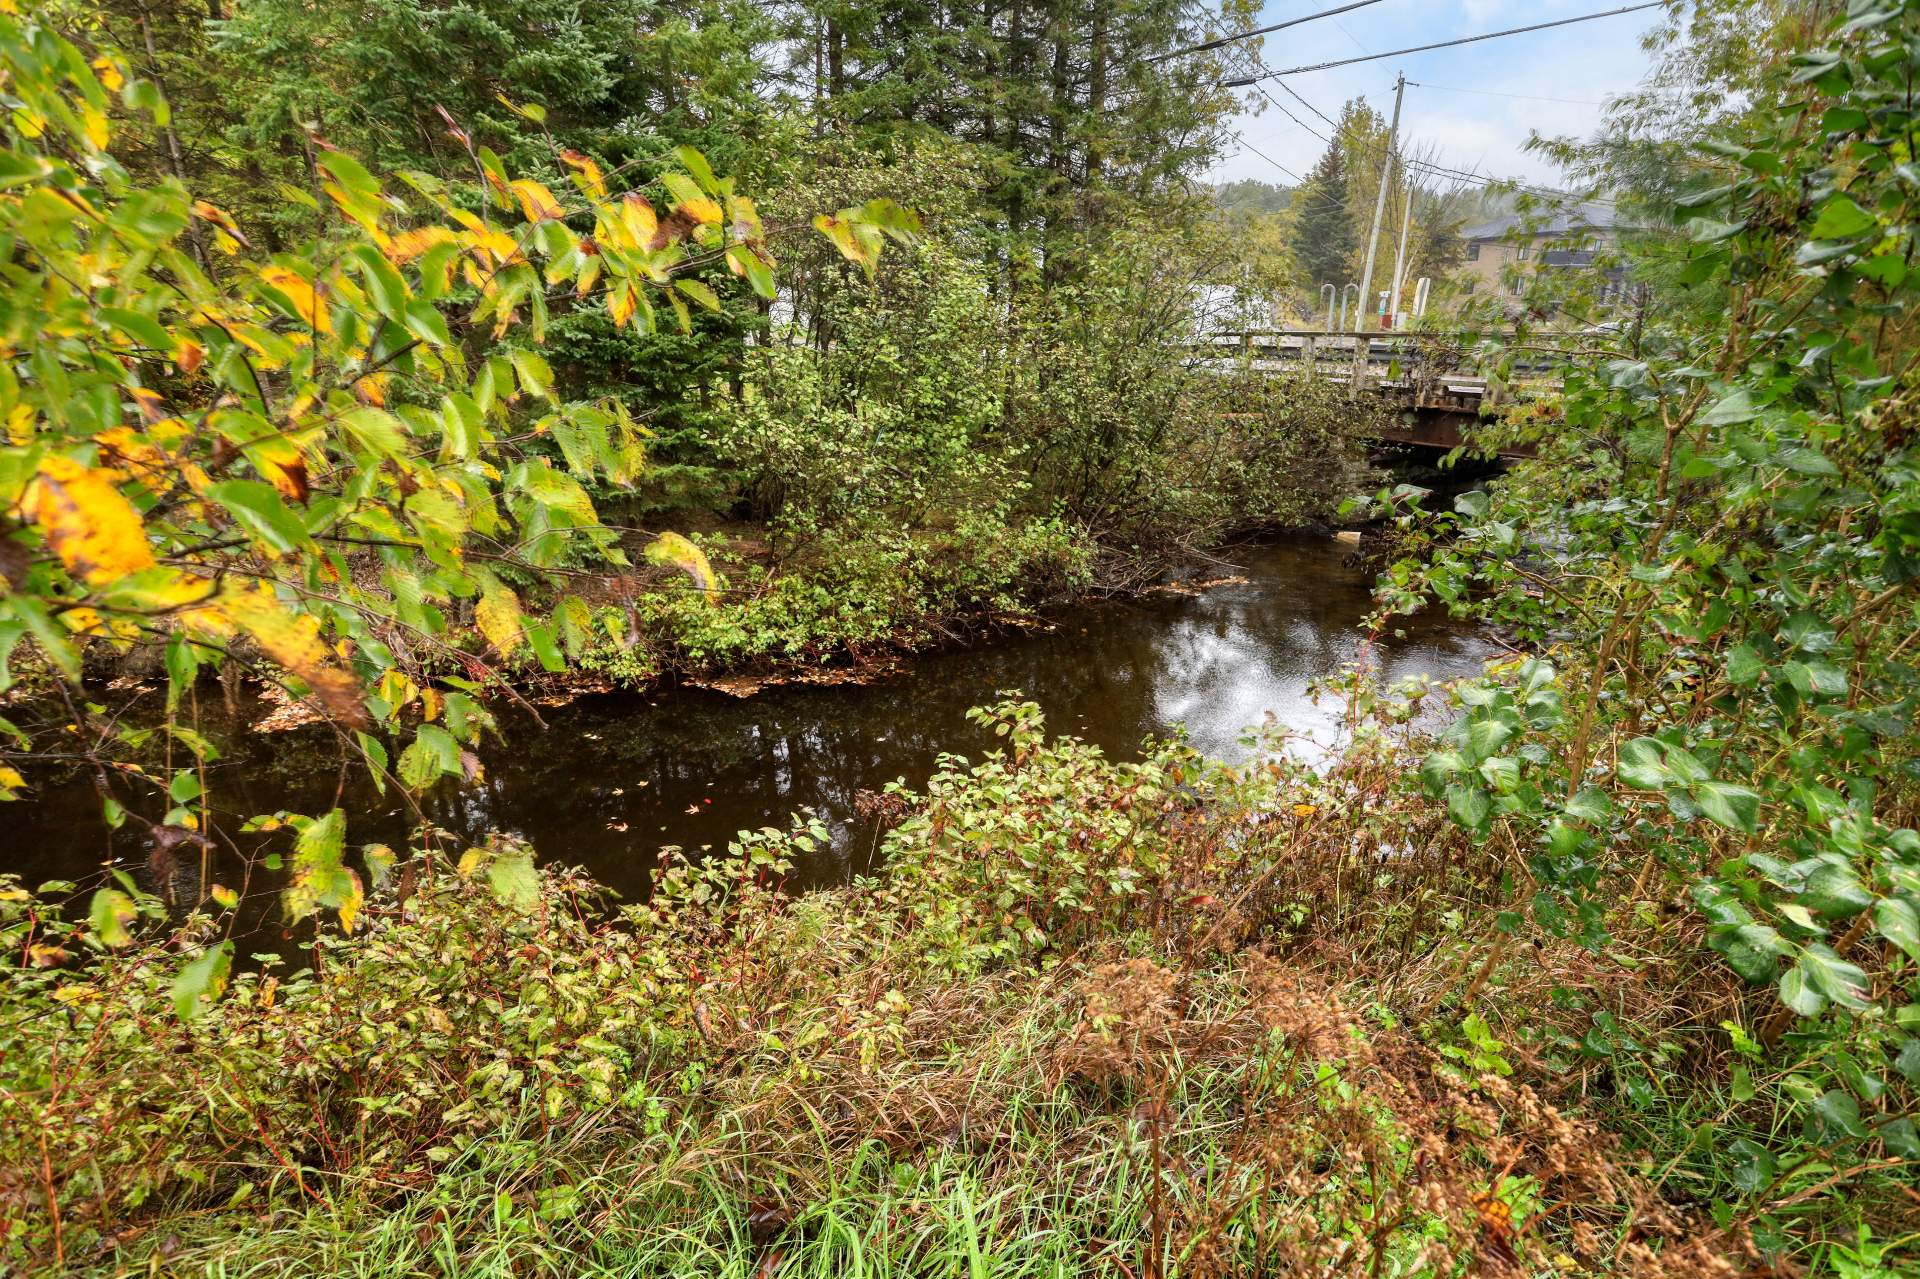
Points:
(1611, 971)
(1165, 1017)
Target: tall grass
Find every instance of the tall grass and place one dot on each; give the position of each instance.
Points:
(1153, 1019)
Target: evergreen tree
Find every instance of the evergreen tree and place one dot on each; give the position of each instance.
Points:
(1323, 237)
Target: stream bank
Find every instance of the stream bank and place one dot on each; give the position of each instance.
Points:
(615, 778)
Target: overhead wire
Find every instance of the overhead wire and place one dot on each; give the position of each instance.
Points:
(1296, 119)
(1243, 82)
(1495, 93)
(1223, 41)
(1425, 167)
(1302, 101)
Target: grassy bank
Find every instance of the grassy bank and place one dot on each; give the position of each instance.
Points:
(1164, 1018)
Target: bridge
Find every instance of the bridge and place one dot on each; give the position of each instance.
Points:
(1431, 376)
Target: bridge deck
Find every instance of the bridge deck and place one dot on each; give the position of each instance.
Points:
(1430, 374)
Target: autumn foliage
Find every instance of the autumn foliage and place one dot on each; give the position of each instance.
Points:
(313, 462)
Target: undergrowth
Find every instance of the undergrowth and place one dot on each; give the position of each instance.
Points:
(1159, 1018)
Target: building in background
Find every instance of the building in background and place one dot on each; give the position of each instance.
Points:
(1572, 238)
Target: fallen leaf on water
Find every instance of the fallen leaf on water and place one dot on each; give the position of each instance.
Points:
(692, 809)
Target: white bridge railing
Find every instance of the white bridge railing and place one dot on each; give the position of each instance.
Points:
(1439, 369)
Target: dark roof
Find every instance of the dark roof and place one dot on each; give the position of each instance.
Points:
(1586, 216)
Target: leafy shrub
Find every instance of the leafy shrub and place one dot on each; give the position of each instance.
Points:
(1050, 997)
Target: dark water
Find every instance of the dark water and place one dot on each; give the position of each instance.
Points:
(614, 778)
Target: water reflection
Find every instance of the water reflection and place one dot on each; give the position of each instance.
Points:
(613, 779)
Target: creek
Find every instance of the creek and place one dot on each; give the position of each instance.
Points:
(614, 778)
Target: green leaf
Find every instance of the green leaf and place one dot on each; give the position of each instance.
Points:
(1752, 950)
(423, 319)
(110, 913)
(1806, 461)
(258, 509)
(1842, 219)
(1798, 993)
(540, 636)
(1725, 804)
(1473, 503)
(750, 264)
(696, 164)
(183, 667)
(1735, 406)
(431, 755)
(320, 876)
(699, 293)
(1902, 1138)
(1899, 923)
(349, 172)
(1642, 765)
(1469, 805)
(536, 376)
(204, 979)
(514, 881)
(1591, 804)
(1834, 891)
(1843, 983)
(375, 430)
(1840, 1113)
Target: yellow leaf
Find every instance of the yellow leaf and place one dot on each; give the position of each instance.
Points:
(109, 71)
(409, 245)
(498, 615)
(351, 901)
(92, 528)
(536, 201)
(639, 219)
(1304, 810)
(671, 550)
(219, 217)
(704, 211)
(620, 303)
(281, 462)
(470, 862)
(746, 218)
(305, 300)
(291, 640)
(586, 174)
(95, 124)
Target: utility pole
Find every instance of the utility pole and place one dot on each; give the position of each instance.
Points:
(1400, 259)
(1380, 200)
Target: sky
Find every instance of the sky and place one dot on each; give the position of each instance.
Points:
(1579, 65)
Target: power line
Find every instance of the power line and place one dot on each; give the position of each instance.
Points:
(1491, 93)
(1245, 145)
(1296, 119)
(1545, 193)
(1302, 101)
(1444, 44)
(1261, 31)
